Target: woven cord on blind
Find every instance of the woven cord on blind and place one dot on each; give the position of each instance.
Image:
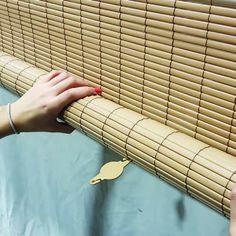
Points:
(173, 61)
(193, 166)
(167, 61)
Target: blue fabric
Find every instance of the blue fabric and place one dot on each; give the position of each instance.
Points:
(45, 191)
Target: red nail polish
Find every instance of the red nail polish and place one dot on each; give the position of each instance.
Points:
(98, 90)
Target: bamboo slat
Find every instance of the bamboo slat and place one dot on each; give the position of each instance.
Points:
(190, 164)
(167, 61)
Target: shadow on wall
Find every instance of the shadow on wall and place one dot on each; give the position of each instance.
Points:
(180, 210)
(102, 197)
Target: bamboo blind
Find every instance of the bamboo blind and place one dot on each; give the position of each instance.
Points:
(202, 171)
(158, 62)
(170, 60)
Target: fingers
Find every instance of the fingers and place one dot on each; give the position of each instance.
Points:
(49, 76)
(60, 77)
(68, 83)
(61, 81)
(73, 94)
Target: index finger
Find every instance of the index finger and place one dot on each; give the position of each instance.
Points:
(48, 76)
(73, 94)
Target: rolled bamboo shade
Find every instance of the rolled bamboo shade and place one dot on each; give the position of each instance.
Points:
(170, 60)
(158, 62)
(202, 171)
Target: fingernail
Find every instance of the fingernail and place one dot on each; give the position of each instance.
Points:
(97, 90)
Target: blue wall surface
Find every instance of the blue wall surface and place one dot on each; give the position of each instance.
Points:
(45, 191)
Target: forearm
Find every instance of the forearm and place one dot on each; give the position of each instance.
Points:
(38, 108)
(5, 128)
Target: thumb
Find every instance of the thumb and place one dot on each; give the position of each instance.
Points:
(62, 128)
(233, 211)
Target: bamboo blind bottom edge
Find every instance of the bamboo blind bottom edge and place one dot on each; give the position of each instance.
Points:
(147, 132)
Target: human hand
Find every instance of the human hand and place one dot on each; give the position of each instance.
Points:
(38, 108)
(233, 212)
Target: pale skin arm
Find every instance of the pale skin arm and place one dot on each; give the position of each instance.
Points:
(38, 109)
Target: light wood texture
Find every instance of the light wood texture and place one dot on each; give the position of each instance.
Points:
(167, 69)
(202, 171)
(173, 61)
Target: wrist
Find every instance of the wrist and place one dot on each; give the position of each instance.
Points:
(17, 117)
(5, 128)
(9, 116)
